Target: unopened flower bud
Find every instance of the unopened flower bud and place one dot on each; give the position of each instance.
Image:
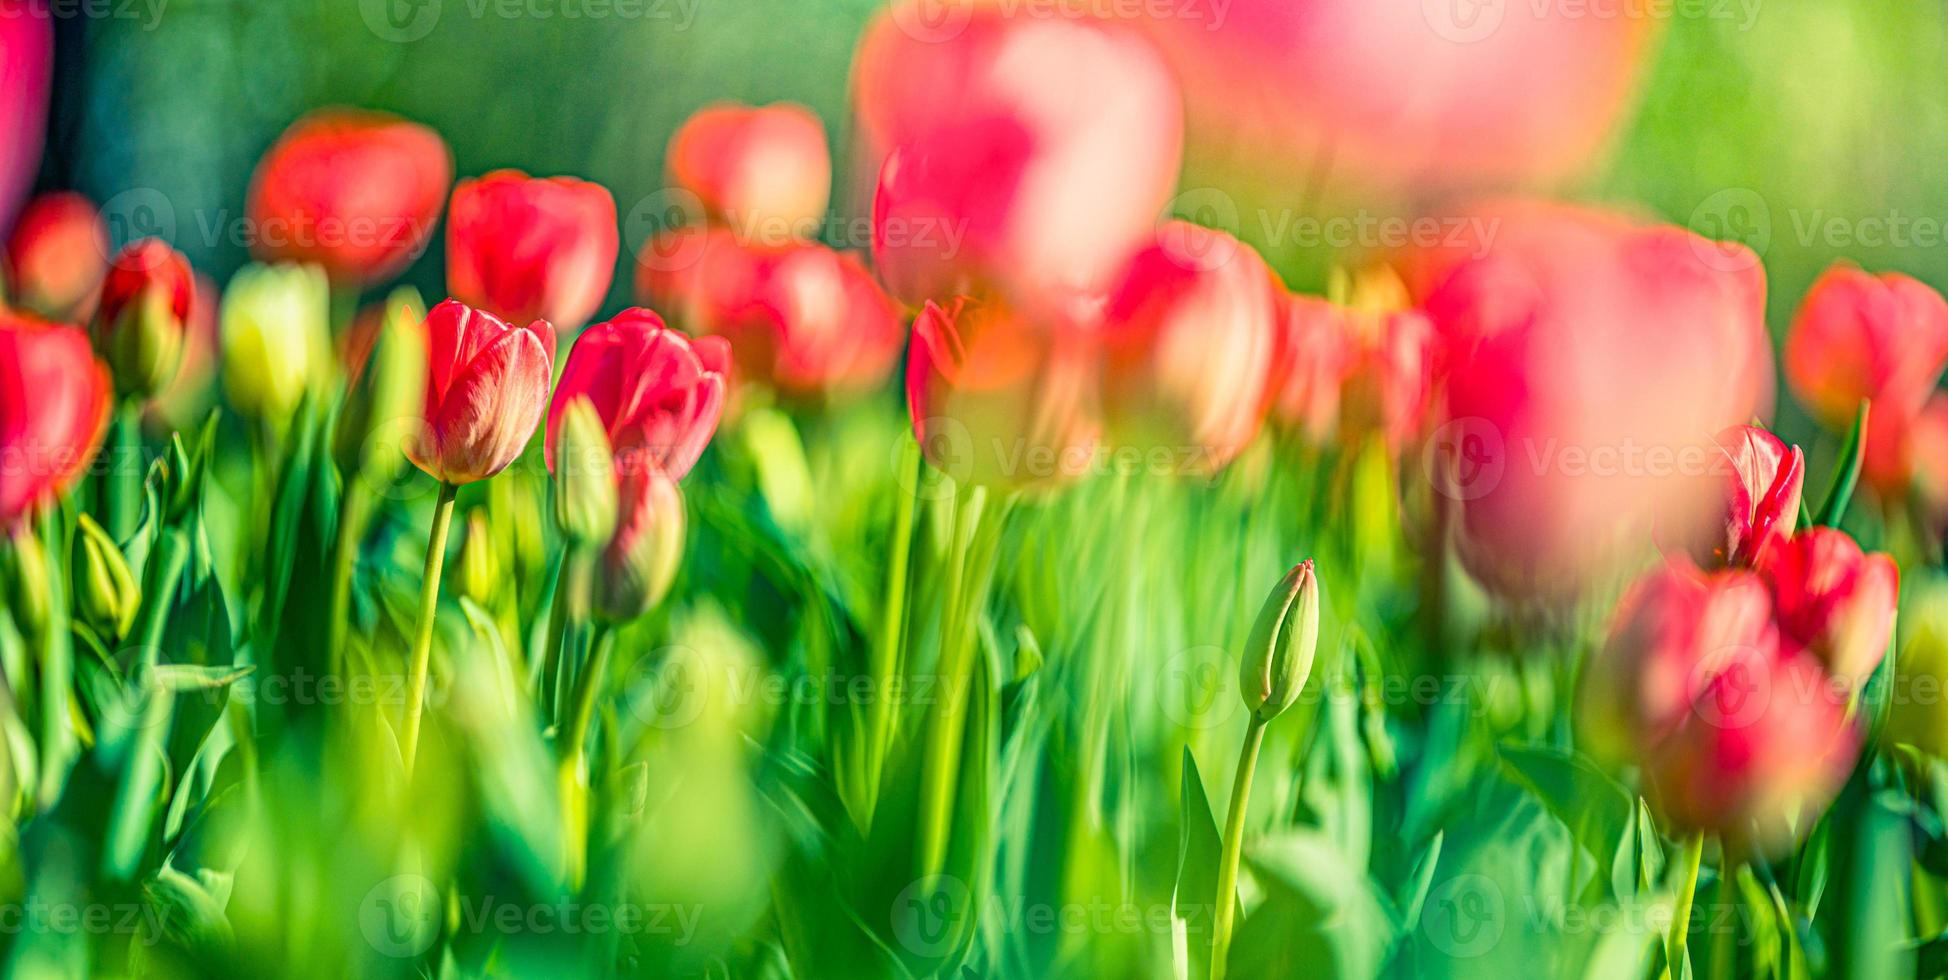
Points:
(1278, 656)
(275, 338)
(641, 560)
(23, 570)
(585, 481)
(144, 313)
(480, 565)
(106, 595)
(387, 385)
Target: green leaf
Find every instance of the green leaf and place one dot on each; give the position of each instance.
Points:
(1591, 804)
(1321, 915)
(1191, 895)
(1847, 475)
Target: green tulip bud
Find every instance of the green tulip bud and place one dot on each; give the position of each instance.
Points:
(276, 342)
(385, 394)
(641, 559)
(480, 565)
(1918, 712)
(1278, 656)
(25, 575)
(585, 481)
(105, 593)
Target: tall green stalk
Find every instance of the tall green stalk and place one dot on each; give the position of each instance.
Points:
(1233, 845)
(429, 603)
(1687, 890)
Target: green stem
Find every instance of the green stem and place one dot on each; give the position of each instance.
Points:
(1234, 832)
(571, 750)
(892, 632)
(1724, 942)
(567, 614)
(354, 511)
(159, 595)
(429, 603)
(121, 481)
(941, 763)
(1687, 890)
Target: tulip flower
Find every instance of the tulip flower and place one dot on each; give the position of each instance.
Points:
(186, 400)
(1835, 600)
(486, 390)
(1188, 341)
(1027, 157)
(1749, 502)
(998, 400)
(1316, 353)
(1388, 389)
(658, 393)
(641, 558)
(143, 316)
(54, 406)
(276, 338)
(765, 171)
(56, 258)
(1737, 730)
(354, 192)
(1586, 357)
(26, 61)
(1859, 336)
(802, 318)
(527, 248)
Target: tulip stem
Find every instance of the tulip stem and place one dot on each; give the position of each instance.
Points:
(1687, 889)
(571, 753)
(567, 614)
(353, 513)
(892, 629)
(121, 481)
(1724, 942)
(1233, 846)
(429, 604)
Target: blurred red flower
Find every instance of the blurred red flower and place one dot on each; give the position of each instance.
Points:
(54, 403)
(56, 258)
(1747, 503)
(143, 315)
(763, 170)
(486, 391)
(659, 393)
(353, 191)
(531, 248)
(26, 57)
(1835, 600)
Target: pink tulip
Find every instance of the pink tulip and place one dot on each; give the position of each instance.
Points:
(1188, 342)
(1023, 155)
(56, 257)
(1748, 502)
(26, 56)
(998, 399)
(143, 316)
(1861, 337)
(802, 317)
(1403, 96)
(527, 248)
(764, 171)
(659, 393)
(1588, 358)
(1316, 355)
(641, 558)
(1388, 389)
(1835, 600)
(54, 403)
(486, 390)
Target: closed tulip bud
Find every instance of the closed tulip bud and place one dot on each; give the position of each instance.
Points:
(387, 382)
(641, 559)
(355, 192)
(54, 405)
(143, 316)
(105, 592)
(276, 338)
(1278, 654)
(486, 390)
(528, 248)
(1918, 711)
(56, 258)
(480, 564)
(1746, 502)
(1835, 600)
(585, 479)
(23, 571)
(762, 170)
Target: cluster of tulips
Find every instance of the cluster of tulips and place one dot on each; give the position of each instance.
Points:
(1554, 400)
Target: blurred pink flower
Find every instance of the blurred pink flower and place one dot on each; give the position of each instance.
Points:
(1588, 360)
(26, 57)
(527, 248)
(1747, 503)
(486, 390)
(1316, 355)
(763, 170)
(1835, 600)
(54, 402)
(1859, 336)
(659, 393)
(56, 257)
(1025, 155)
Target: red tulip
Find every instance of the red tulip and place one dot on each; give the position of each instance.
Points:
(1188, 342)
(659, 393)
(1748, 504)
(641, 558)
(1735, 728)
(1388, 389)
(765, 171)
(1860, 337)
(1834, 600)
(803, 318)
(486, 390)
(997, 399)
(352, 191)
(186, 399)
(26, 56)
(1027, 156)
(1316, 354)
(1593, 356)
(144, 313)
(529, 247)
(54, 403)
(56, 258)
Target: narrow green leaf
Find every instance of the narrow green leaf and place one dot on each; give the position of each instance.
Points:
(1847, 476)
